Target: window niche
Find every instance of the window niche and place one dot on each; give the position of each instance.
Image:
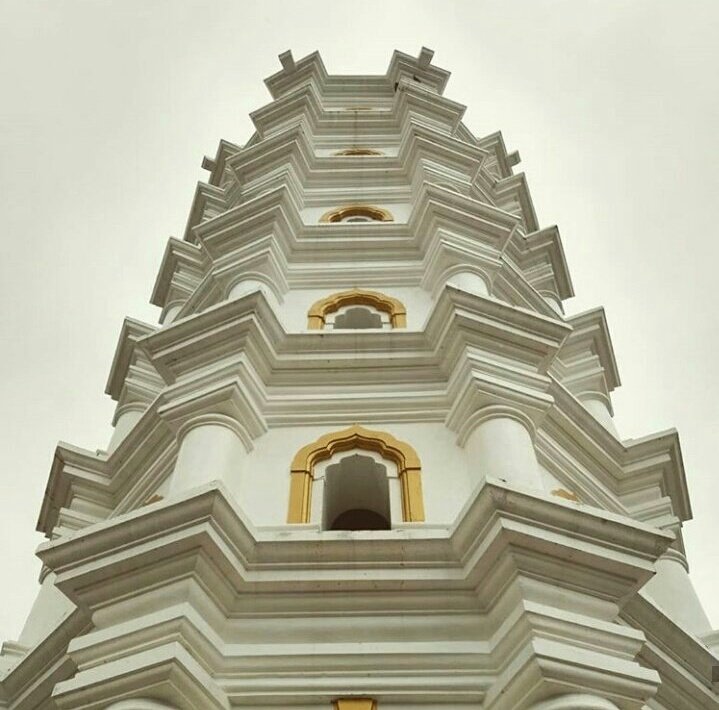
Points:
(356, 478)
(356, 309)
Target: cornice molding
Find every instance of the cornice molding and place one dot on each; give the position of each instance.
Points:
(132, 330)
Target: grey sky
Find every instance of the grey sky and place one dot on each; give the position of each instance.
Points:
(106, 109)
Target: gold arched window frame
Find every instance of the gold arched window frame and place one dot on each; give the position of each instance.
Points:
(358, 152)
(316, 316)
(377, 214)
(399, 452)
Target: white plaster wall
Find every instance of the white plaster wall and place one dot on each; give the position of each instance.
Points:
(549, 482)
(264, 493)
(297, 302)
(51, 607)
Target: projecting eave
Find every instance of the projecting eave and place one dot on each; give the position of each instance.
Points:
(418, 68)
(69, 462)
(177, 253)
(30, 682)
(684, 663)
(516, 185)
(589, 329)
(289, 157)
(132, 331)
(548, 241)
(208, 198)
(494, 144)
(311, 69)
(660, 456)
(307, 105)
(276, 212)
(295, 73)
(216, 165)
(538, 534)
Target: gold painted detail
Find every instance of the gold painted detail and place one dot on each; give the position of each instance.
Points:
(319, 311)
(356, 437)
(564, 493)
(355, 704)
(358, 151)
(376, 214)
(153, 499)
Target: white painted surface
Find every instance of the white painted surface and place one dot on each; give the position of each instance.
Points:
(672, 589)
(265, 490)
(208, 452)
(598, 407)
(470, 282)
(51, 606)
(297, 302)
(171, 313)
(501, 447)
(124, 423)
(554, 302)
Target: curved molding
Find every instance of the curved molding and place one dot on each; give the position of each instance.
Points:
(494, 411)
(356, 297)
(594, 394)
(177, 303)
(255, 276)
(377, 214)
(127, 408)
(216, 420)
(356, 437)
(459, 270)
(130, 407)
(358, 152)
(675, 556)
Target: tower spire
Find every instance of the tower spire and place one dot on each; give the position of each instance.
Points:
(364, 459)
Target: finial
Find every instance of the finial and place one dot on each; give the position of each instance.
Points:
(287, 61)
(425, 57)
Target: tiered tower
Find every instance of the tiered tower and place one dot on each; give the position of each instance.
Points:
(365, 459)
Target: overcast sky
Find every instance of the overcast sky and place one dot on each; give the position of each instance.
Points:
(106, 109)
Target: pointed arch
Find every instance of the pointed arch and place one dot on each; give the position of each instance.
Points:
(399, 452)
(370, 212)
(356, 297)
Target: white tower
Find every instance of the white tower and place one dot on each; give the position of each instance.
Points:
(365, 459)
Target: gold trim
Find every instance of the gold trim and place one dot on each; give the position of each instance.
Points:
(378, 214)
(316, 316)
(358, 151)
(356, 437)
(567, 495)
(355, 704)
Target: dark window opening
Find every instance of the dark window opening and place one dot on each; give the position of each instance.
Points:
(356, 495)
(357, 318)
(360, 519)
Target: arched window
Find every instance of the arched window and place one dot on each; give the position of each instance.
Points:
(358, 152)
(356, 213)
(356, 488)
(356, 309)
